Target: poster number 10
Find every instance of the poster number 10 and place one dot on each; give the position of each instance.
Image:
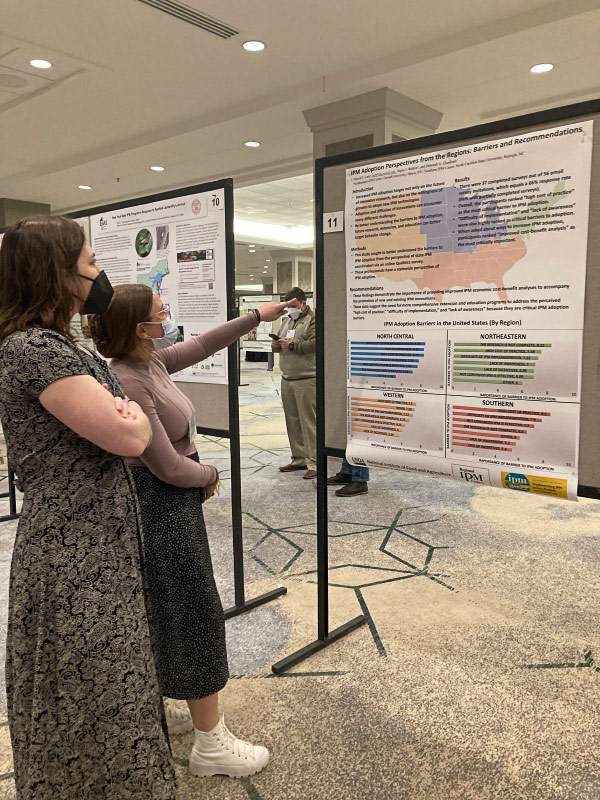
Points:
(216, 201)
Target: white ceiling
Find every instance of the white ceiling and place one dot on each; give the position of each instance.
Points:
(286, 202)
(132, 87)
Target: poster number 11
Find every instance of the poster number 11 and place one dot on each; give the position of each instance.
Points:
(333, 222)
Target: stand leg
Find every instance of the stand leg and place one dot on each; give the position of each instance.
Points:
(248, 605)
(310, 649)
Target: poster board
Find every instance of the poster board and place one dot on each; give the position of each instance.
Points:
(181, 244)
(258, 338)
(331, 185)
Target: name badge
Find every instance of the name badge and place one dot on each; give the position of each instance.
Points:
(192, 428)
(290, 334)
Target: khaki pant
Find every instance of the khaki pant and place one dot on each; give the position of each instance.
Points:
(299, 400)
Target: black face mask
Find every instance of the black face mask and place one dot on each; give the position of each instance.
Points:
(98, 300)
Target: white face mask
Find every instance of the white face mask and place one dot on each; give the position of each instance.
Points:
(294, 313)
(171, 334)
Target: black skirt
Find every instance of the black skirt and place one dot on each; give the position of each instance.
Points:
(187, 625)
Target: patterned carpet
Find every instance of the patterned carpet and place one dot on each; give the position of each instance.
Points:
(477, 676)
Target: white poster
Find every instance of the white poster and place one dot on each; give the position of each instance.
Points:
(466, 278)
(177, 247)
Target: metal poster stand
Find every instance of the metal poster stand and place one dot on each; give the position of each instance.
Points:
(12, 498)
(241, 604)
(324, 636)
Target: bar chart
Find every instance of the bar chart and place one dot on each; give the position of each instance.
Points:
(537, 364)
(411, 362)
(507, 364)
(398, 420)
(535, 432)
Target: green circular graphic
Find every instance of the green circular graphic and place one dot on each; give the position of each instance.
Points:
(143, 243)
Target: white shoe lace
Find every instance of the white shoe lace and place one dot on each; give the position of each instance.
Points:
(236, 746)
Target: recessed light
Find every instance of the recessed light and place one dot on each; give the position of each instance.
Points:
(83, 186)
(267, 259)
(158, 169)
(541, 68)
(252, 144)
(40, 63)
(253, 46)
(252, 275)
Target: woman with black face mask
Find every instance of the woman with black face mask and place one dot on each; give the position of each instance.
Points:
(84, 707)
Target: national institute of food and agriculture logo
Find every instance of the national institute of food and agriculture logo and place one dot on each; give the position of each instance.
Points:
(196, 206)
(471, 474)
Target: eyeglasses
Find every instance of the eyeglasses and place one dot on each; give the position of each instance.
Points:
(164, 313)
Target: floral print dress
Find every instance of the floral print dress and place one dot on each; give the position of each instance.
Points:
(84, 706)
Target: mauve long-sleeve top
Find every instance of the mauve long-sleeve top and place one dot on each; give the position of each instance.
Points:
(170, 412)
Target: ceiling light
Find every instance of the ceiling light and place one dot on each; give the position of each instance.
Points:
(255, 287)
(251, 274)
(541, 68)
(40, 63)
(253, 46)
(158, 169)
(267, 259)
(83, 186)
(252, 144)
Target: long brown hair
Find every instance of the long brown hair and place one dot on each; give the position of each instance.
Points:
(115, 332)
(38, 256)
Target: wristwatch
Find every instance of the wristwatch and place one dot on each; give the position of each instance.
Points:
(291, 345)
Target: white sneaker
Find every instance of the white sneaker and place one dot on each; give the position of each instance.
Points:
(219, 752)
(179, 720)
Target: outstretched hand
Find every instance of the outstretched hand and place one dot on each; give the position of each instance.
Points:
(269, 312)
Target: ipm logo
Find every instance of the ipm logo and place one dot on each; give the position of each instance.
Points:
(515, 480)
(471, 474)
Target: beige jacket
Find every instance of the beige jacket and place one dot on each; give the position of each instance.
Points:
(300, 362)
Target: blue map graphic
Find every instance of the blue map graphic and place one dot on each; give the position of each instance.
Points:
(457, 221)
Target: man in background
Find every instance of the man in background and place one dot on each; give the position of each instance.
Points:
(296, 346)
(351, 479)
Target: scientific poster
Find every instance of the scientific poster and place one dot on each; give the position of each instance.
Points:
(466, 279)
(177, 247)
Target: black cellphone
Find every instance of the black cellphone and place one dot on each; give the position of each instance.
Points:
(274, 336)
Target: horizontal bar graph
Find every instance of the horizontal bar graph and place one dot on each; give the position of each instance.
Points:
(496, 429)
(384, 359)
(497, 363)
(382, 417)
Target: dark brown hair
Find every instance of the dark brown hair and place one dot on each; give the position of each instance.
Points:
(115, 332)
(38, 256)
(296, 293)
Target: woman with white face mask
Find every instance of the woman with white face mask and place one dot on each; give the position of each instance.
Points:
(186, 617)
